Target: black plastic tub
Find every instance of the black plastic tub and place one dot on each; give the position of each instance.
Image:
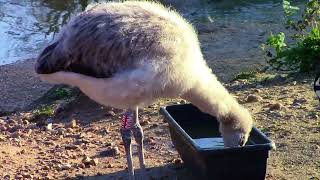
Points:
(192, 133)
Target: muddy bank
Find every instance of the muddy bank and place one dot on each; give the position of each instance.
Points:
(19, 86)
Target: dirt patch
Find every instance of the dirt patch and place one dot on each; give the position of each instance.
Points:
(286, 110)
(19, 86)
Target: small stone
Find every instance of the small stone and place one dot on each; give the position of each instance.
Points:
(275, 107)
(259, 86)
(112, 151)
(27, 116)
(32, 126)
(6, 177)
(16, 128)
(61, 131)
(277, 113)
(28, 132)
(257, 91)
(110, 165)
(49, 177)
(3, 128)
(49, 127)
(18, 176)
(183, 101)
(82, 165)
(86, 160)
(28, 176)
(111, 113)
(72, 124)
(144, 123)
(153, 106)
(50, 143)
(177, 161)
(150, 141)
(16, 134)
(2, 138)
(313, 116)
(25, 122)
(94, 161)
(12, 122)
(71, 147)
(289, 117)
(105, 131)
(294, 83)
(253, 98)
(22, 151)
(70, 130)
(82, 141)
(298, 102)
(65, 166)
(154, 126)
(109, 144)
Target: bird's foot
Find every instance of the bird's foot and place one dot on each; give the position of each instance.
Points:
(138, 136)
(126, 137)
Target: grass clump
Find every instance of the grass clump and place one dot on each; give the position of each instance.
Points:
(246, 75)
(60, 93)
(42, 113)
(255, 76)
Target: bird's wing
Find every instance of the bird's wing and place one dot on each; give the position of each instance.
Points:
(101, 45)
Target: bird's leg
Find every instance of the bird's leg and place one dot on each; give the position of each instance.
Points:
(126, 137)
(138, 135)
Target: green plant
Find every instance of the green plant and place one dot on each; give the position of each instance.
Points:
(303, 53)
(245, 75)
(43, 112)
(60, 93)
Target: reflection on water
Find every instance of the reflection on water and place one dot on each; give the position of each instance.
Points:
(27, 25)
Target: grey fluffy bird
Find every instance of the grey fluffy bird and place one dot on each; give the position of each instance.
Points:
(129, 54)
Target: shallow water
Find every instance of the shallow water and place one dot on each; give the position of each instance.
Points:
(209, 143)
(27, 25)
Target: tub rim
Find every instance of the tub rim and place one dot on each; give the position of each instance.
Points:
(268, 145)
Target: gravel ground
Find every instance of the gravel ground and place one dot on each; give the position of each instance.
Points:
(84, 141)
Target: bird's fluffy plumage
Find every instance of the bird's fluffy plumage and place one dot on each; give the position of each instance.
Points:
(140, 51)
(141, 41)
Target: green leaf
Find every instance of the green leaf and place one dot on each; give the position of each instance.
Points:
(288, 9)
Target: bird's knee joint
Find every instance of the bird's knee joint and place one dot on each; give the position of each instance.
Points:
(126, 135)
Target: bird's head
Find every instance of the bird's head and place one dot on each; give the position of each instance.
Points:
(51, 60)
(235, 127)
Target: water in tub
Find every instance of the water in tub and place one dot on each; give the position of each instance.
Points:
(210, 143)
(205, 135)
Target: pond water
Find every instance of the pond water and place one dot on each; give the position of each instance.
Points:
(27, 25)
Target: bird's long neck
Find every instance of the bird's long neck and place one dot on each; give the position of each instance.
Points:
(211, 97)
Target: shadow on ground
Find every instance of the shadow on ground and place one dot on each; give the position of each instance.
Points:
(167, 172)
(267, 82)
